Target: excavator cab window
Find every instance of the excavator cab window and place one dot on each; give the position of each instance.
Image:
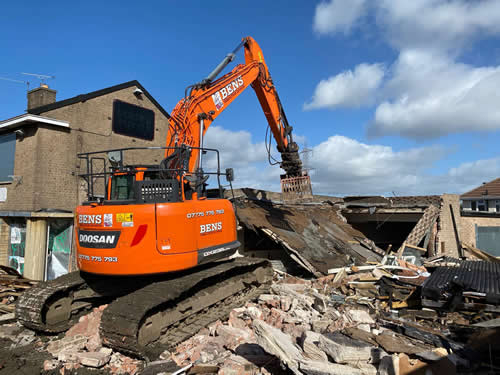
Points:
(122, 187)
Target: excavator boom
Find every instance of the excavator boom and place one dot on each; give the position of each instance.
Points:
(206, 100)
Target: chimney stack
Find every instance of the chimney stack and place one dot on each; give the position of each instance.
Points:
(41, 96)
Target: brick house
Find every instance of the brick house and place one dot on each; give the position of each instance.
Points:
(39, 168)
(481, 217)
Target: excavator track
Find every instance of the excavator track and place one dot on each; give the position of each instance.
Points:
(54, 306)
(165, 313)
(47, 306)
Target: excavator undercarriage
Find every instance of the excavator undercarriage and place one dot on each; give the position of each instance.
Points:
(147, 315)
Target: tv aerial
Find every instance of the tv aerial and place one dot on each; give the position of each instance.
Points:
(16, 81)
(41, 77)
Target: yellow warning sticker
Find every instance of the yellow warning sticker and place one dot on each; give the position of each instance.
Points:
(124, 218)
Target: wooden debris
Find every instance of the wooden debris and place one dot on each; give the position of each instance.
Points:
(12, 285)
(480, 253)
(395, 343)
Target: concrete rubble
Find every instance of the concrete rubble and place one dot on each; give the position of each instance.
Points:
(328, 325)
(285, 331)
(80, 347)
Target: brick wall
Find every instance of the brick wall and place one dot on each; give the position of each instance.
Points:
(4, 242)
(468, 232)
(446, 232)
(46, 158)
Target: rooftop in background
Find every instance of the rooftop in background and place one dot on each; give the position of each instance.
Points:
(95, 94)
(486, 190)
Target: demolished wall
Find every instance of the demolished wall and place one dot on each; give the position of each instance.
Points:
(447, 244)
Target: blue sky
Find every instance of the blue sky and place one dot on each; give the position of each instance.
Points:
(392, 96)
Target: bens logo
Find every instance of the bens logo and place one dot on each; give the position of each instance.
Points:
(209, 228)
(224, 92)
(89, 219)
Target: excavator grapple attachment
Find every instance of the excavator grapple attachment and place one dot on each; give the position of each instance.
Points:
(296, 188)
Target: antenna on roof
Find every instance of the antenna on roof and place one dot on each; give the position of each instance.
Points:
(16, 80)
(41, 77)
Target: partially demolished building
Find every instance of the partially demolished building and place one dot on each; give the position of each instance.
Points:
(336, 232)
(362, 285)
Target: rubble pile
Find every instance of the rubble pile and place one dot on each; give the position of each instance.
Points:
(352, 322)
(357, 320)
(80, 347)
(392, 317)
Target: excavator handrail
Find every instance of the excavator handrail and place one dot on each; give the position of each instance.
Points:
(131, 169)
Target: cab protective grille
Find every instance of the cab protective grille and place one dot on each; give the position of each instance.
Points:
(157, 191)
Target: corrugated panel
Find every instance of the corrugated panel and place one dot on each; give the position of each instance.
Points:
(473, 276)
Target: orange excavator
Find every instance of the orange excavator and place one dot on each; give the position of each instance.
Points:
(162, 225)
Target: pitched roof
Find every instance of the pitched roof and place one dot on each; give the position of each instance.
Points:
(95, 94)
(489, 189)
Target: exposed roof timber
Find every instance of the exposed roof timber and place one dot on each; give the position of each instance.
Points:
(392, 210)
(26, 119)
(95, 94)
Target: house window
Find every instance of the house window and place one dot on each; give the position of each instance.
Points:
(497, 205)
(132, 120)
(7, 153)
(482, 206)
(473, 205)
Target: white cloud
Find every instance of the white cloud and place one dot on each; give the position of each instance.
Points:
(427, 92)
(349, 89)
(415, 23)
(436, 23)
(472, 174)
(337, 15)
(430, 95)
(248, 159)
(344, 166)
(236, 146)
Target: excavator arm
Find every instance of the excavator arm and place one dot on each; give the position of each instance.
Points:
(206, 100)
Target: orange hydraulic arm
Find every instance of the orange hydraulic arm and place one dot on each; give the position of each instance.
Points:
(206, 100)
